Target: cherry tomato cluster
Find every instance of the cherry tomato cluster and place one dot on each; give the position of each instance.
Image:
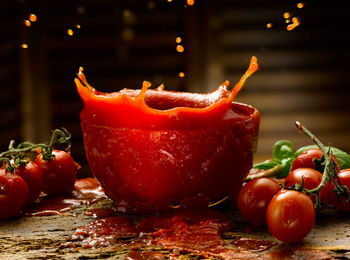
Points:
(287, 205)
(22, 180)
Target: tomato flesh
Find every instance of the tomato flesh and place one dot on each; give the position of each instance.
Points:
(153, 150)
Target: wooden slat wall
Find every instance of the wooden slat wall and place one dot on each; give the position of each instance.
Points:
(304, 73)
(120, 44)
(10, 108)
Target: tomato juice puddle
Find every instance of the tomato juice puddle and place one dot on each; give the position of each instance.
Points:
(196, 232)
(86, 191)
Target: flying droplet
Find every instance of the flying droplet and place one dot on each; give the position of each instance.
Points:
(295, 23)
(33, 18)
(27, 23)
(190, 2)
(178, 39)
(81, 69)
(78, 26)
(181, 74)
(70, 32)
(300, 5)
(24, 46)
(286, 15)
(180, 48)
(269, 25)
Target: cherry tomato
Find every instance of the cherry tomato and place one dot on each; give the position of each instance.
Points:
(59, 173)
(290, 216)
(254, 198)
(342, 204)
(13, 194)
(307, 159)
(33, 176)
(312, 179)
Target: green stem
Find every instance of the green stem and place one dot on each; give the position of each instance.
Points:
(274, 171)
(329, 172)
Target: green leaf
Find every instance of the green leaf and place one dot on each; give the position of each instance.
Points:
(265, 165)
(282, 149)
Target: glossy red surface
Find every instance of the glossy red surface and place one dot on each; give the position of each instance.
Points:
(152, 149)
(85, 191)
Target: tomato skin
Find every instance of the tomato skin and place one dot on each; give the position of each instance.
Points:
(312, 179)
(254, 198)
(59, 173)
(13, 194)
(307, 160)
(33, 176)
(290, 216)
(342, 204)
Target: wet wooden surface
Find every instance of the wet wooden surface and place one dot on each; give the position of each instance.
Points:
(40, 237)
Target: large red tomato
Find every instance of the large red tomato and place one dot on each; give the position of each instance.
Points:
(254, 198)
(59, 172)
(33, 176)
(290, 216)
(13, 194)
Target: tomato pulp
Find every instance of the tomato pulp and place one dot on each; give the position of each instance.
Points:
(153, 150)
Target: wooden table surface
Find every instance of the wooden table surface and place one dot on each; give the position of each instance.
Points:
(40, 237)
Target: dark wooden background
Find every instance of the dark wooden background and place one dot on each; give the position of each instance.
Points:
(304, 73)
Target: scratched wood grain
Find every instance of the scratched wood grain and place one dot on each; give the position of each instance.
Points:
(41, 237)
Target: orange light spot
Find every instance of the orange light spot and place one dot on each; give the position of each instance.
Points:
(178, 39)
(296, 22)
(300, 5)
(27, 23)
(33, 18)
(286, 15)
(190, 2)
(269, 25)
(70, 32)
(181, 74)
(287, 20)
(180, 48)
(24, 46)
(170, 1)
(78, 26)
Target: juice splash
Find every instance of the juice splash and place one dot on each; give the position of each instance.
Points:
(70, 32)
(294, 24)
